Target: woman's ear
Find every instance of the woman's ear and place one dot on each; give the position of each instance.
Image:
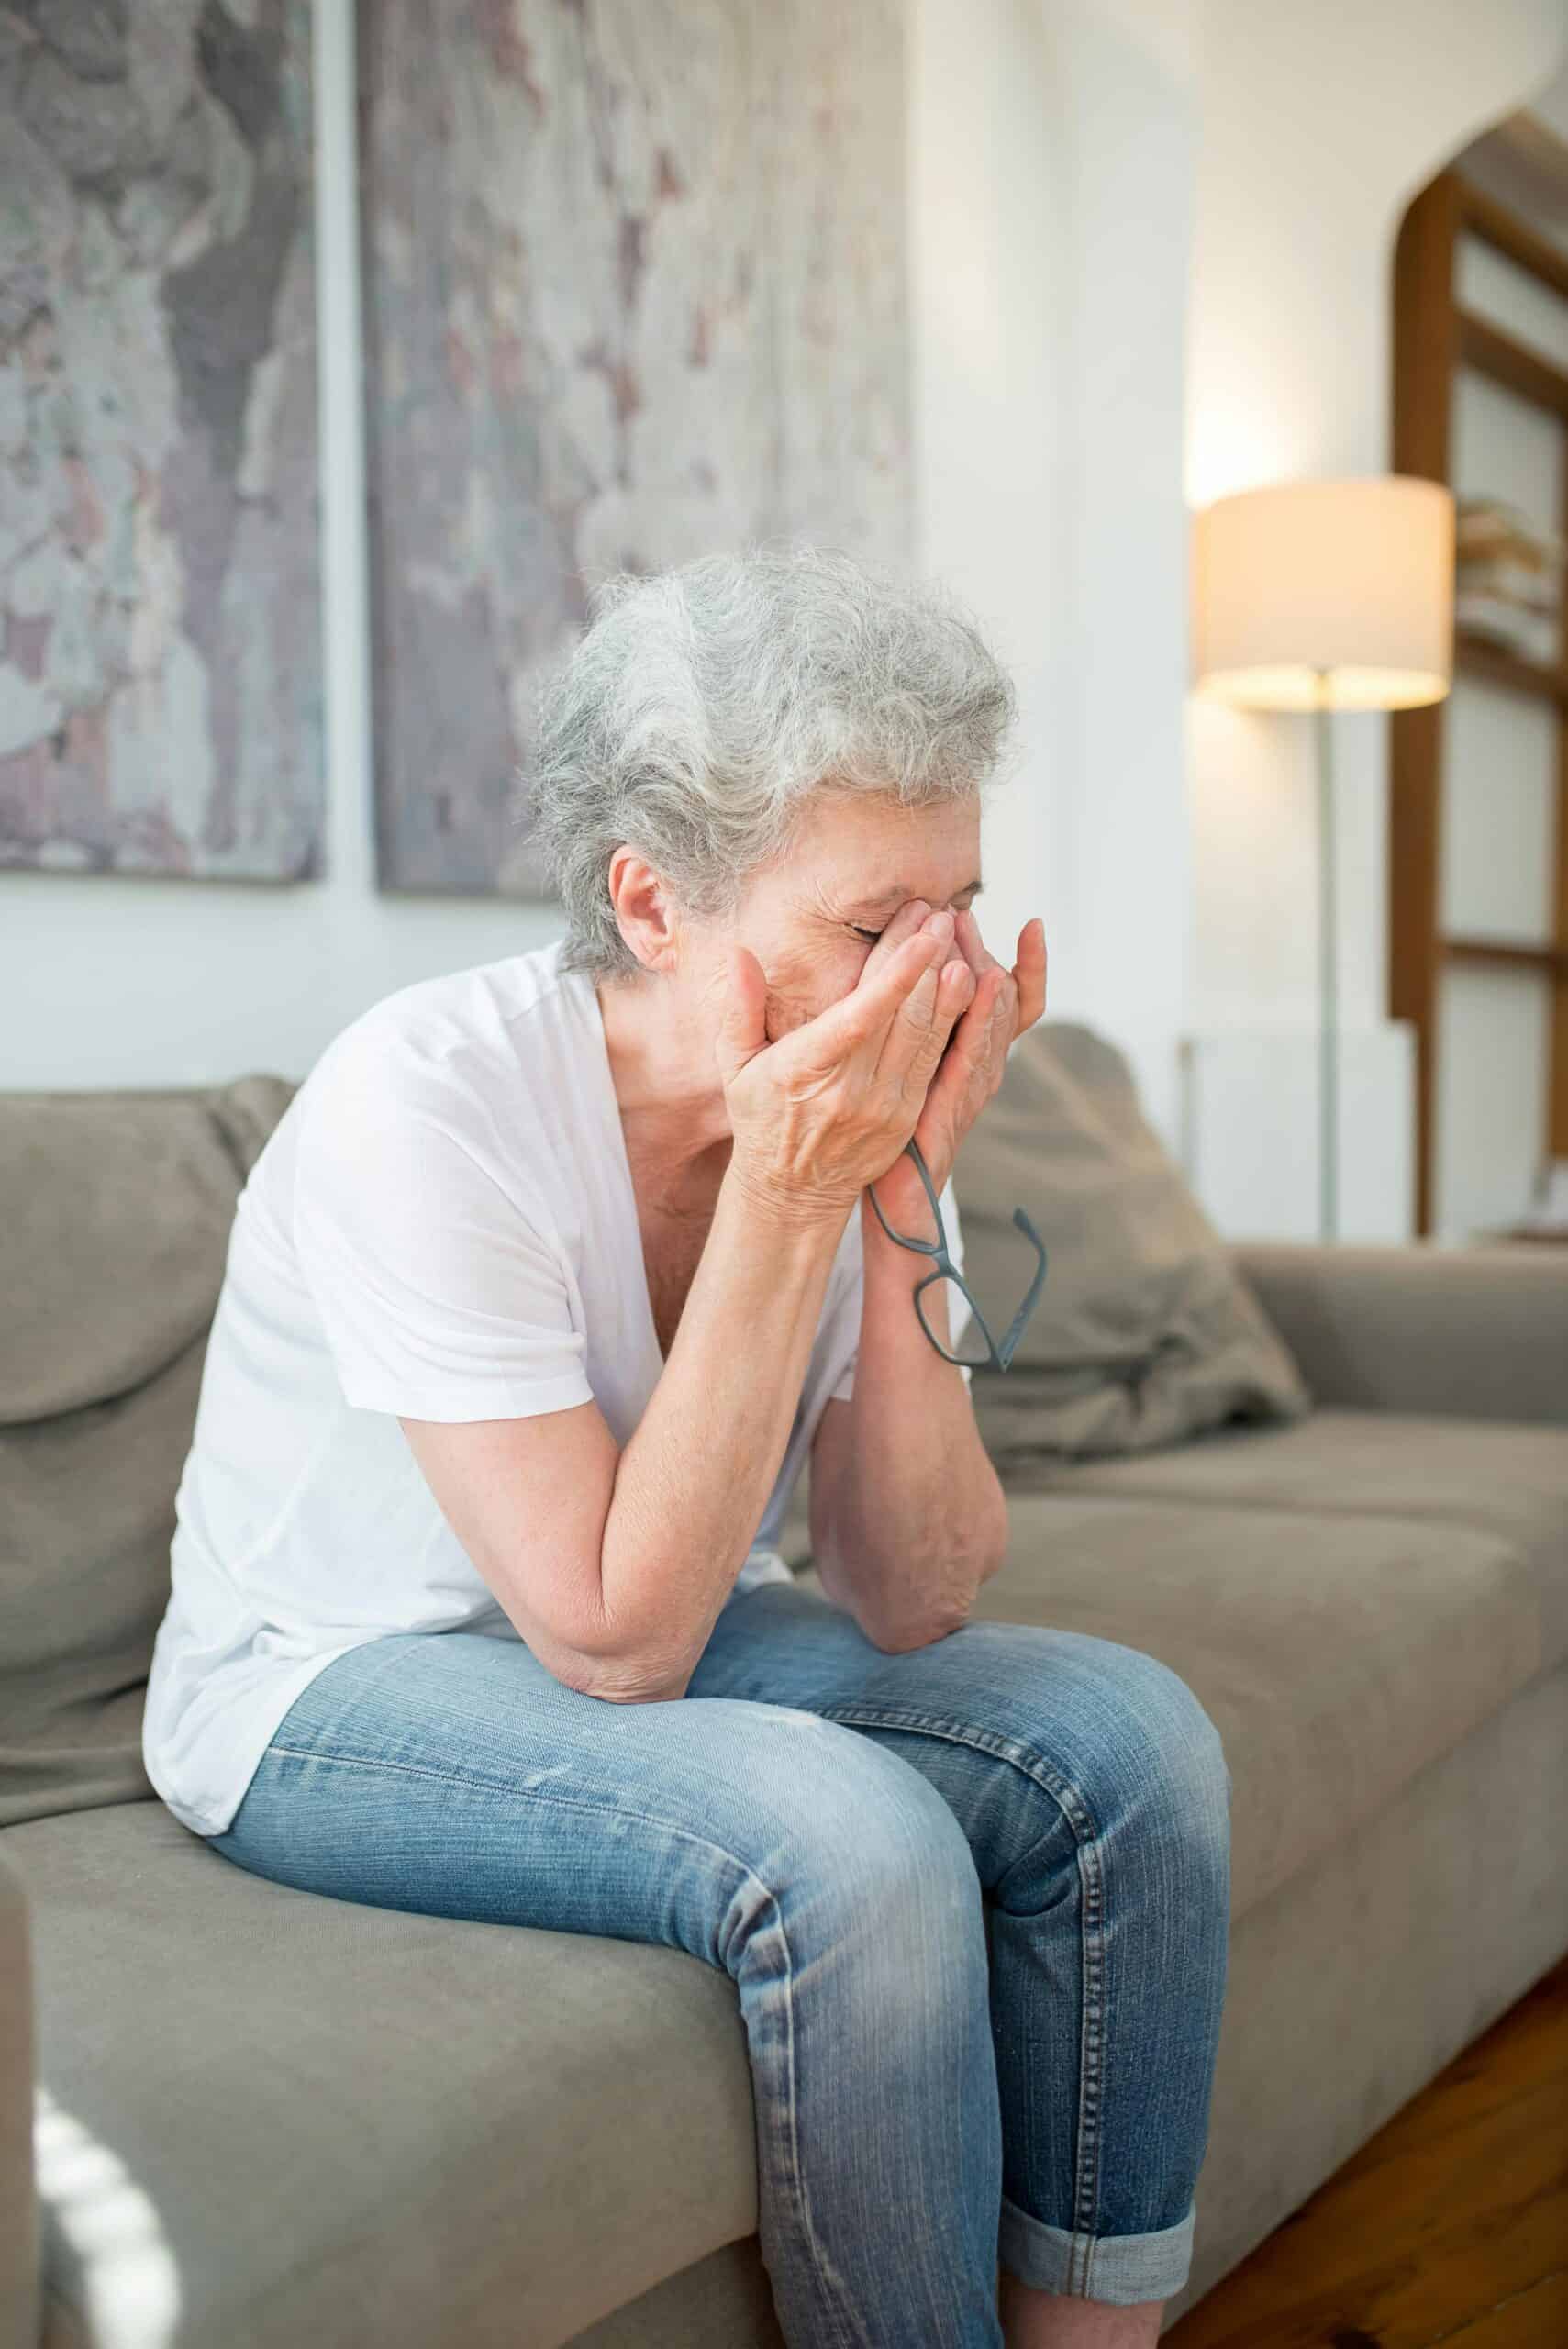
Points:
(644, 910)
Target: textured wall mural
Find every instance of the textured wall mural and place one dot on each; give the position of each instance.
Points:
(159, 627)
(635, 290)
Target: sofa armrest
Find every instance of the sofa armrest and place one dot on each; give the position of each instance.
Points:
(20, 2316)
(1476, 1333)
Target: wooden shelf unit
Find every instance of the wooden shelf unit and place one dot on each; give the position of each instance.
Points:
(1433, 338)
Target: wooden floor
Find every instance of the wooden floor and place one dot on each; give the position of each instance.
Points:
(1450, 2225)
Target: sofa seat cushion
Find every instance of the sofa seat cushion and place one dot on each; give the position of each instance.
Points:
(1509, 1480)
(1337, 1655)
(291, 2118)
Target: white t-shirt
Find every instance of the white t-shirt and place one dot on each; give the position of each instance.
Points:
(442, 1223)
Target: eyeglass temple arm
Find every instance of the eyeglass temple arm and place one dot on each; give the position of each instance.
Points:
(1005, 1345)
(1015, 1327)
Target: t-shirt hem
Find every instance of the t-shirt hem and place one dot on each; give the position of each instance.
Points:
(216, 1815)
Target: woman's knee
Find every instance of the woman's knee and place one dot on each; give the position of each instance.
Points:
(853, 1839)
(1115, 1725)
(846, 1805)
(1159, 1743)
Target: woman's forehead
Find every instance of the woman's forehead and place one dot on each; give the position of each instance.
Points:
(896, 893)
(884, 853)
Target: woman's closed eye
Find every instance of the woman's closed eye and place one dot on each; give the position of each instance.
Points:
(874, 934)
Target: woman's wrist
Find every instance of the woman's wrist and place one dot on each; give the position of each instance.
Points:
(786, 1212)
(901, 1269)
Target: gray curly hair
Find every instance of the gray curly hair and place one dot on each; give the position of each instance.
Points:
(705, 705)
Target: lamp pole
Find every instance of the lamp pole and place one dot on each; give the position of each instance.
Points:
(1328, 973)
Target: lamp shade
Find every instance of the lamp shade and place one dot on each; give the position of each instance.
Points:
(1336, 591)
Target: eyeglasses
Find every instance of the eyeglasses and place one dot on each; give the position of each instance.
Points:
(997, 1357)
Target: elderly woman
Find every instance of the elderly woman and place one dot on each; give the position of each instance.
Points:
(546, 1282)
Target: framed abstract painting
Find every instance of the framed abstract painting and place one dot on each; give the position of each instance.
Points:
(161, 697)
(635, 290)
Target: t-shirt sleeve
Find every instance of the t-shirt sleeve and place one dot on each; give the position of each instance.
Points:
(440, 1287)
(845, 1321)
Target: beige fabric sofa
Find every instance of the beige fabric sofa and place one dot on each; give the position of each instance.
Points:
(236, 2116)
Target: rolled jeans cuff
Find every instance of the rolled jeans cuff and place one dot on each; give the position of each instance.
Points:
(1119, 2269)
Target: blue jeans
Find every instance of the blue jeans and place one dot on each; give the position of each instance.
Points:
(974, 1899)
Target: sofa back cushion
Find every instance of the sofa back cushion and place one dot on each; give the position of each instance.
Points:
(1144, 1331)
(115, 1214)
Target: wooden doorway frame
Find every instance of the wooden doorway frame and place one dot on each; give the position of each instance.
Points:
(1433, 339)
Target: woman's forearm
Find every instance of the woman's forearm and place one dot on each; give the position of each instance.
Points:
(918, 1517)
(694, 1480)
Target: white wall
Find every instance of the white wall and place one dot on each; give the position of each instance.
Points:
(985, 397)
(1124, 119)
(1318, 125)
(1054, 158)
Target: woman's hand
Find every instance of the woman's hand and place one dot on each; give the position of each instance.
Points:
(821, 1112)
(1002, 1005)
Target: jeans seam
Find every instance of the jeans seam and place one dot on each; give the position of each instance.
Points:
(833, 2282)
(1075, 1810)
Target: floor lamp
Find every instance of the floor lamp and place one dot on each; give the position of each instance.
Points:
(1321, 595)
